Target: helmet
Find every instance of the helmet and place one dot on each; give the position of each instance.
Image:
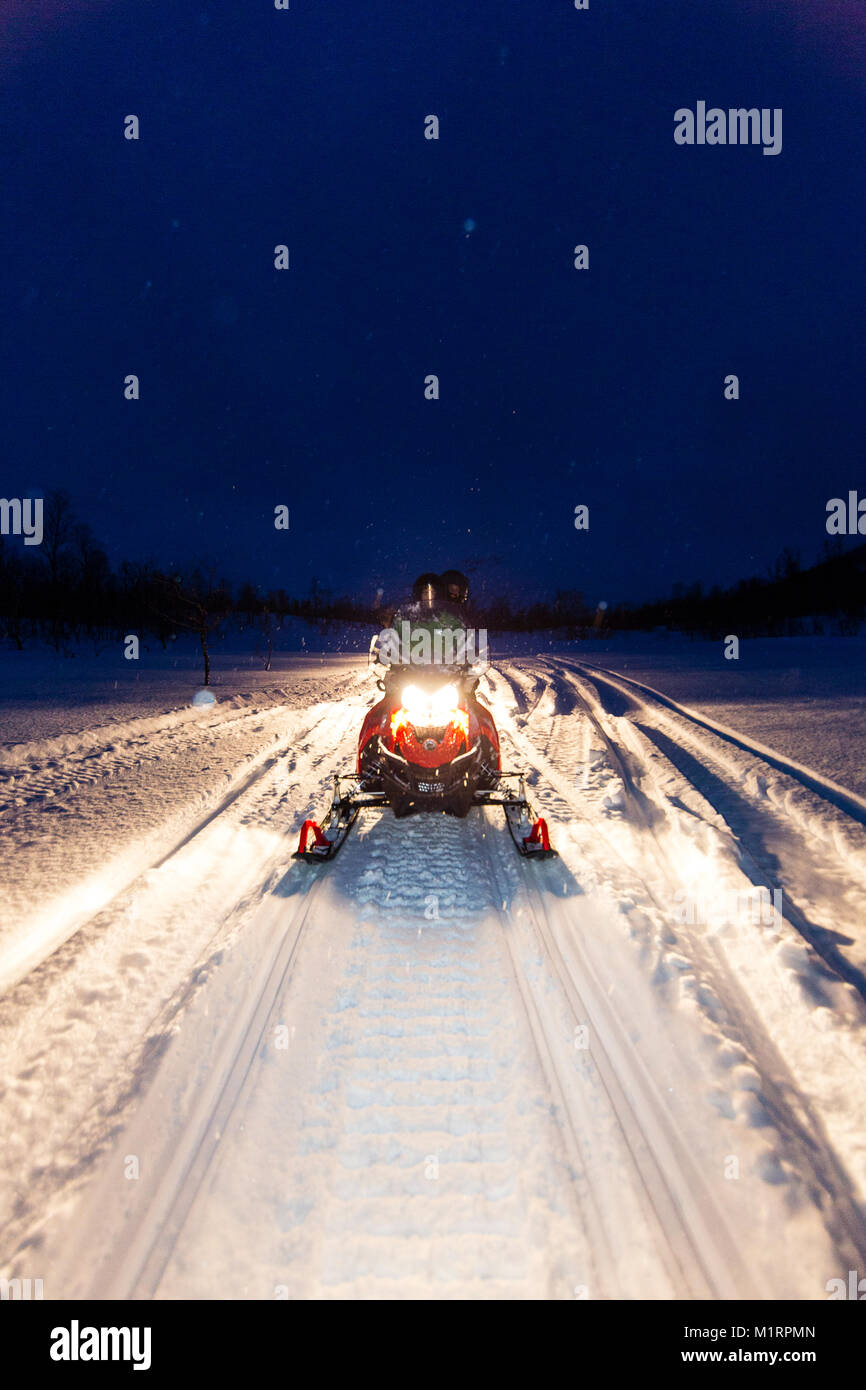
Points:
(454, 586)
(426, 589)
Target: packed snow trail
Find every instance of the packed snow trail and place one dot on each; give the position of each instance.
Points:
(85, 824)
(429, 1069)
(441, 1137)
(792, 828)
(796, 1025)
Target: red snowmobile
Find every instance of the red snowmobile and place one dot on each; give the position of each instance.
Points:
(428, 745)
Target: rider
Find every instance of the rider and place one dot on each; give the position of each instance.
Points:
(438, 606)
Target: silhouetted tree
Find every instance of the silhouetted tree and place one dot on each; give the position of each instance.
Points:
(197, 604)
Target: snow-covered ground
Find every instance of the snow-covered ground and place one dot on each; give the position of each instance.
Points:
(805, 697)
(429, 1069)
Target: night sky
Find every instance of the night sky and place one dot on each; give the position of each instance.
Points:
(454, 257)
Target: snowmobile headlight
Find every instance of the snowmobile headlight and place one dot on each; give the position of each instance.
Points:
(426, 710)
(414, 701)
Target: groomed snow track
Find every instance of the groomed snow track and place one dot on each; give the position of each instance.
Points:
(677, 1218)
(431, 1070)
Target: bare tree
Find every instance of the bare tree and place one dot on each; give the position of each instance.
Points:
(197, 604)
(268, 630)
(57, 534)
(11, 593)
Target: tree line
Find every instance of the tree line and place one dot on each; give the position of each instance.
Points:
(65, 591)
(790, 600)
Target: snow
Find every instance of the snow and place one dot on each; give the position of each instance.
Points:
(428, 1069)
(803, 697)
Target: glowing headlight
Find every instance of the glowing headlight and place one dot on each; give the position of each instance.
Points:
(426, 710)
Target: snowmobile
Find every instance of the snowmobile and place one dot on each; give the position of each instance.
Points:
(428, 745)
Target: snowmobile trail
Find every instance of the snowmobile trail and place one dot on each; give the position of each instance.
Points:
(730, 974)
(410, 1169)
(848, 801)
(431, 1068)
(617, 1225)
(82, 1032)
(176, 1173)
(776, 821)
(701, 1258)
(425, 1028)
(50, 924)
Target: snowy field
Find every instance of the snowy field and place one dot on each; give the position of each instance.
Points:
(429, 1069)
(804, 697)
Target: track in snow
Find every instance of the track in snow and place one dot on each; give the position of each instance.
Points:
(466, 1146)
(431, 1070)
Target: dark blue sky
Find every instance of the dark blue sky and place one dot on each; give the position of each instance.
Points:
(557, 387)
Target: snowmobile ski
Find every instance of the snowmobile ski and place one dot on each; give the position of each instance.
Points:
(528, 830)
(317, 842)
